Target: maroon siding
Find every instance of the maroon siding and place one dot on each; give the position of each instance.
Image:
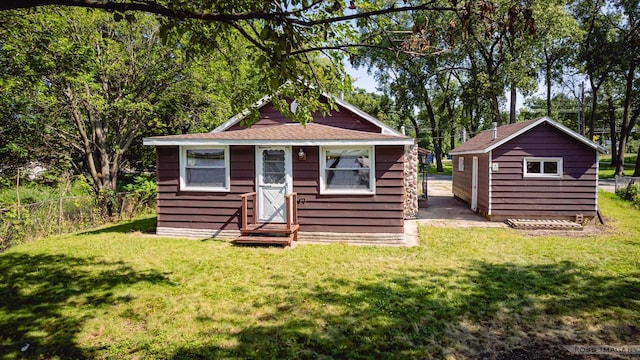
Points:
(483, 183)
(462, 180)
(515, 196)
(380, 213)
(202, 210)
(342, 119)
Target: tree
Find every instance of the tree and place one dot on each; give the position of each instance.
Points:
(283, 33)
(493, 35)
(557, 36)
(565, 109)
(100, 84)
(628, 46)
(610, 56)
(408, 76)
(380, 106)
(595, 51)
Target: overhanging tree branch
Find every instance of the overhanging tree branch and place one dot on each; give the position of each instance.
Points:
(153, 7)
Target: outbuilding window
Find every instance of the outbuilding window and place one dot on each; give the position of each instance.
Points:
(204, 168)
(347, 170)
(461, 163)
(543, 167)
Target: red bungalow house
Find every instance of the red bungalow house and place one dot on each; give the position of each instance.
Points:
(340, 178)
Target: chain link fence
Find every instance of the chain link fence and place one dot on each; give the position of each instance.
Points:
(65, 215)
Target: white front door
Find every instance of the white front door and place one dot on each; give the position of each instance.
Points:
(474, 184)
(274, 182)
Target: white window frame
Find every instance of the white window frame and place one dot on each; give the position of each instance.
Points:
(542, 160)
(372, 171)
(461, 163)
(183, 169)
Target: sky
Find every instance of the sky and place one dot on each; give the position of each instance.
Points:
(365, 81)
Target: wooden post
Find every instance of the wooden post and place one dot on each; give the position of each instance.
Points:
(64, 192)
(18, 192)
(288, 211)
(60, 215)
(295, 208)
(254, 205)
(292, 209)
(244, 212)
(245, 208)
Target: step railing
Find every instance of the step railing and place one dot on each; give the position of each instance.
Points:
(245, 209)
(291, 203)
(292, 209)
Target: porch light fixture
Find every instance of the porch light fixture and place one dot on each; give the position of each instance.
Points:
(302, 155)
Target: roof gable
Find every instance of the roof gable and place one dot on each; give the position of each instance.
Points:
(483, 142)
(384, 128)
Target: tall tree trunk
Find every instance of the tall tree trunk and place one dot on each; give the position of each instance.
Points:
(594, 107)
(636, 172)
(612, 131)
(627, 124)
(512, 105)
(452, 126)
(547, 76)
(495, 107)
(417, 128)
(473, 120)
(452, 139)
(435, 134)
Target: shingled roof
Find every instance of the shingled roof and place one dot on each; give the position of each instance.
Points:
(282, 134)
(484, 142)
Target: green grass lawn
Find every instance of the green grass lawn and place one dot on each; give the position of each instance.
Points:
(446, 166)
(118, 293)
(606, 171)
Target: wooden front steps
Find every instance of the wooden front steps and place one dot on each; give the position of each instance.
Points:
(268, 234)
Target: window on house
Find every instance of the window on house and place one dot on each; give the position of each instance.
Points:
(461, 164)
(204, 169)
(543, 167)
(347, 170)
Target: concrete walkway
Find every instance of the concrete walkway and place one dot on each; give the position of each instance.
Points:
(444, 211)
(608, 185)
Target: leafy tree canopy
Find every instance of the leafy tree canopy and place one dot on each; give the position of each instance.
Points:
(87, 88)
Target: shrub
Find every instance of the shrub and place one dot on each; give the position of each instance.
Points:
(13, 227)
(630, 193)
(144, 187)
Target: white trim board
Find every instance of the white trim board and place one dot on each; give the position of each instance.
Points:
(318, 142)
(490, 191)
(597, 178)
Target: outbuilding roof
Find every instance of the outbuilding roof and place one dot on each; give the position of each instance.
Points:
(283, 134)
(484, 142)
